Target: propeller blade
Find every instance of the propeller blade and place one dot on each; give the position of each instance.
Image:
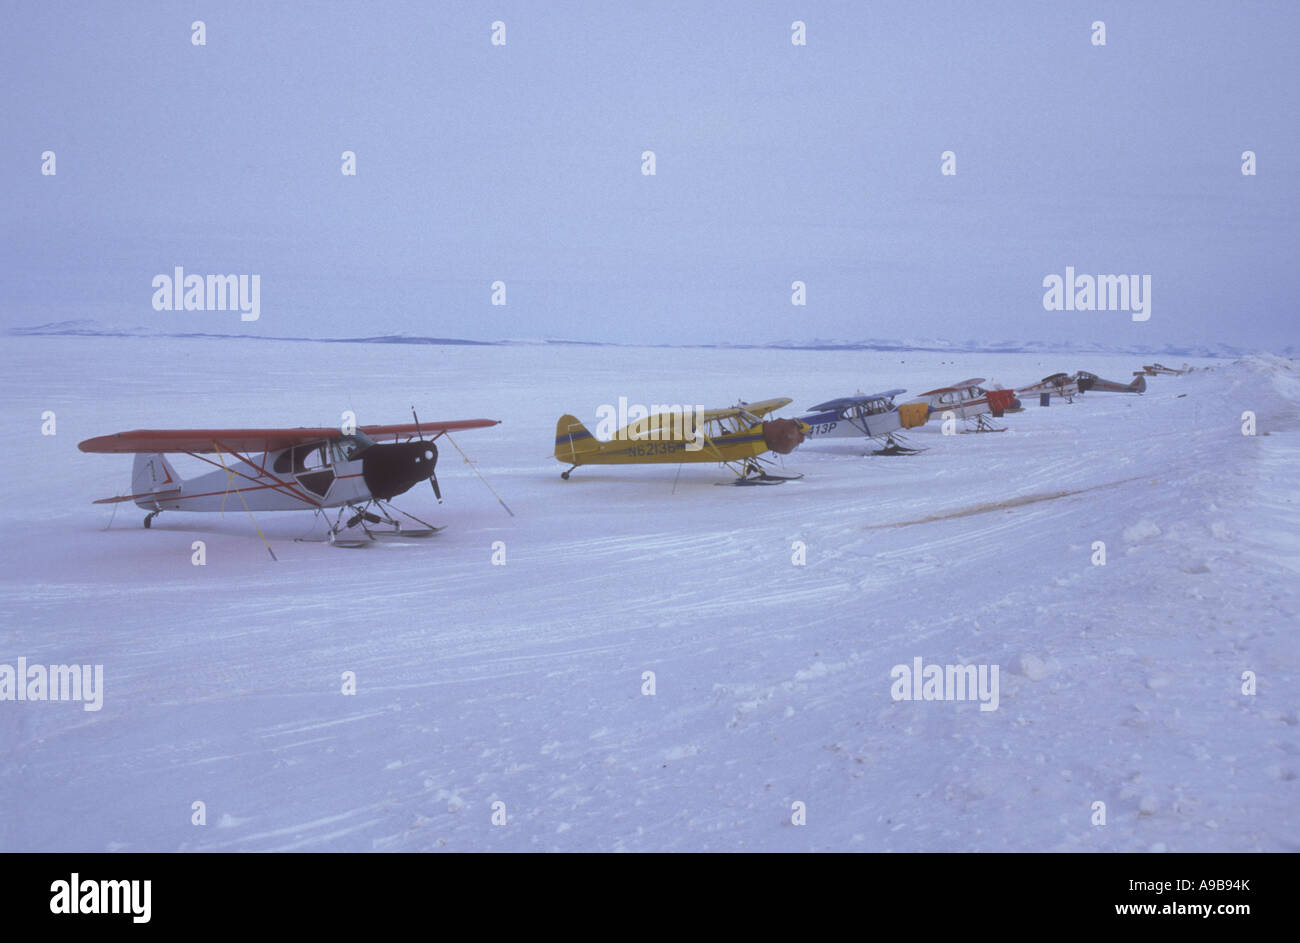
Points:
(433, 477)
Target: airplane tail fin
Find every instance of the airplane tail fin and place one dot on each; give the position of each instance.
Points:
(1139, 385)
(153, 477)
(572, 439)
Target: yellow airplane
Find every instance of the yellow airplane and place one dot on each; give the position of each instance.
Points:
(734, 437)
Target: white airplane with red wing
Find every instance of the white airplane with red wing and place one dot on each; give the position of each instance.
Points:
(969, 400)
(288, 470)
(1159, 369)
(1060, 385)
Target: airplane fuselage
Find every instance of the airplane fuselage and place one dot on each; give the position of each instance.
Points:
(731, 446)
(320, 475)
(852, 422)
(1058, 384)
(968, 403)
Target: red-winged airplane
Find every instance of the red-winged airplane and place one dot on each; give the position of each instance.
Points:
(287, 470)
(1159, 369)
(1061, 385)
(970, 400)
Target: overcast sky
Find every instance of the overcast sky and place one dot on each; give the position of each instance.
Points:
(774, 163)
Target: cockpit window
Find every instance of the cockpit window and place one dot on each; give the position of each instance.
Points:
(309, 458)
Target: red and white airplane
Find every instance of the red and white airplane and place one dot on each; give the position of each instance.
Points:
(1159, 369)
(1061, 385)
(288, 470)
(970, 400)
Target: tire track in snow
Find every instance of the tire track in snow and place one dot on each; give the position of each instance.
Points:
(987, 506)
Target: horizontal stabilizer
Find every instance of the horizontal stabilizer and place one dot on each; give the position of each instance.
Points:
(148, 495)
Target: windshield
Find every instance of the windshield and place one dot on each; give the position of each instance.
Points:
(349, 447)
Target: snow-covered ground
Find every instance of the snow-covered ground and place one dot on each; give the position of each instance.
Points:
(522, 683)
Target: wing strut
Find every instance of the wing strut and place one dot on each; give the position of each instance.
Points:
(480, 477)
(230, 476)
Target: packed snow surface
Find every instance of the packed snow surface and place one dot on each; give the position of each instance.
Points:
(522, 684)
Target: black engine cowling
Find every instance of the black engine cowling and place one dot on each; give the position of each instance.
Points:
(391, 469)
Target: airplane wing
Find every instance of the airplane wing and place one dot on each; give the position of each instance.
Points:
(252, 440)
(845, 401)
(664, 422)
(411, 428)
(757, 410)
(963, 385)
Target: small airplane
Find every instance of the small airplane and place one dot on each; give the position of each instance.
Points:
(1090, 381)
(1060, 385)
(970, 400)
(736, 437)
(288, 470)
(875, 416)
(1157, 369)
(1067, 386)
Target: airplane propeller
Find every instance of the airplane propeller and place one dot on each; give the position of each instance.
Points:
(433, 475)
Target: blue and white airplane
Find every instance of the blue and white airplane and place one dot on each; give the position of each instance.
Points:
(874, 416)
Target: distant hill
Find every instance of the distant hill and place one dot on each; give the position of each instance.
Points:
(89, 328)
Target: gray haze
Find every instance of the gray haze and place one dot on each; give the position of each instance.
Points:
(522, 163)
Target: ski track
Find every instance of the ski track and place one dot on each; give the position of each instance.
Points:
(522, 683)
